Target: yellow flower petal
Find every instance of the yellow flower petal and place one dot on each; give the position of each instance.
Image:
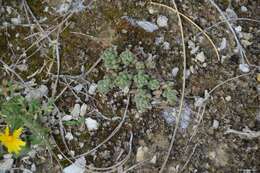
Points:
(13, 143)
(7, 131)
(18, 132)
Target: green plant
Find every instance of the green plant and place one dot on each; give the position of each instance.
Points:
(141, 79)
(153, 84)
(110, 58)
(123, 80)
(105, 85)
(127, 57)
(142, 100)
(134, 72)
(18, 112)
(170, 94)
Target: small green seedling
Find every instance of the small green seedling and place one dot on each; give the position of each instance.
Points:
(142, 100)
(110, 58)
(154, 84)
(170, 95)
(105, 85)
(141, 79)
(123, 80)
(127, 57)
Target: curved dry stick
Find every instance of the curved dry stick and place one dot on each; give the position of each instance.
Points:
(188, 19)
(226, 81)
(114, 167)
(220, 22)
(240, 47)
(183, 88)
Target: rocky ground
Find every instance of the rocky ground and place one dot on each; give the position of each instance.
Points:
(51, 50)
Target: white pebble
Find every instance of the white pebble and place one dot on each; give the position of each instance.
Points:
(244, 68)
(140, 154)
(228, 98)
(238, 29)
(67, 118)
(166, 45)
(159, 40)
(199, 102)
(223, 44)
(77, 167)
(147, 26)
(201, 57)
(60, 156)
(76, 111)
(78, 88)
(16, 21)
(175, 71)
(91, 124)
(69, 136)
(83, 109)
(215, 124)
(153, 160)
(244, 9)
(162, 21)
(92, 89)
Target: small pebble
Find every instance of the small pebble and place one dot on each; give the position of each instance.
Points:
(83, 109)
(223, 44)
(91, 124)
(69, 136)
(162, 21)
(175, 71)
(60, 156)
(33, 167)
(159, 40)
(67, 118)
(215, 124)
(166, 45)
(228, 98)
(78, 88)
(147, 26)
(76, 111)
(140, 154)
(244, 9)
(201, 57)
(153, 160)
(244, 68)
(92, 89)
(16, 21)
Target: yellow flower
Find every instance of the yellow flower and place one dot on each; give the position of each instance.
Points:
(13, 143)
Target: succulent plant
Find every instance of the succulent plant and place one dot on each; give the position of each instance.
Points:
(110, 58)
(127, 57)
(142, 100)
(154, 84)
(170, 95)
(123, 80)
(141, 79)
(104, 85)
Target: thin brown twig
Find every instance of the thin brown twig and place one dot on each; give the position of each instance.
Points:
(182, 93)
